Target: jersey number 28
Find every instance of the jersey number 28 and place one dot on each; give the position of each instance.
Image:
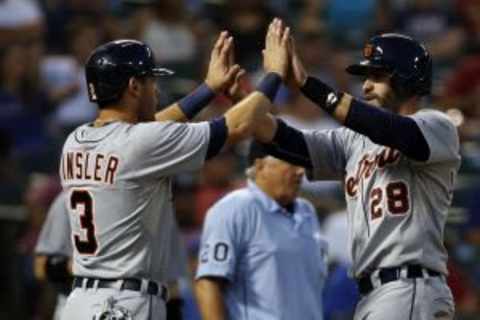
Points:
(398, 202)
(81, 202)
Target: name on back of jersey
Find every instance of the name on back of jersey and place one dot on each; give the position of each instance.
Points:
(83, 165)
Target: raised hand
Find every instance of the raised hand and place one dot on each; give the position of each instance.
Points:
(276, 53)
(221, 73)
(236, 91)
(297, 74)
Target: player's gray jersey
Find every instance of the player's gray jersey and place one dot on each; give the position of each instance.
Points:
(397, 207)
(54, 238)
(117, 179)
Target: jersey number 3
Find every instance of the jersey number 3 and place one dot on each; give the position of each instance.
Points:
(398, 202)
(81, 202)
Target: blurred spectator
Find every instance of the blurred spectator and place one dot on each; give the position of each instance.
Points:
(433, 23)
(349, 22)
(247, 21)
(168, 31)
(23, 125)
(322, 56)
(19, 19)
(216, 181)
(470, 12)
(465, 273)
(340, 293)
(190, 308)
(462, 91)
(10, 214)
(65, 76)
(60, 13)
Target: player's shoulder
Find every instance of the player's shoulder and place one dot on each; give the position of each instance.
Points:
(163, 129)
(341, 134)
(433, 115)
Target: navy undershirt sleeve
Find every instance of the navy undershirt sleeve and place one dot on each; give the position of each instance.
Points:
(389, 129)
(289, 144)
(218, 136)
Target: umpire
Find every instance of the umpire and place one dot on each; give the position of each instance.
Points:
(261, 254)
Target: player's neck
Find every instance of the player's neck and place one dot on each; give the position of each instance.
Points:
(111, 114)
(409, 107)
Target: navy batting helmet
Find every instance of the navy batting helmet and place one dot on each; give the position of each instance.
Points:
(405, 59)
(111, 65)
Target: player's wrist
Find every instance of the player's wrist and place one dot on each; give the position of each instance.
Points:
(212, 86)
(197, 100)
(269, 85)
(321, 94)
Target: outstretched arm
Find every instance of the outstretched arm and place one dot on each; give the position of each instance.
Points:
(380, 125)
(244, 117)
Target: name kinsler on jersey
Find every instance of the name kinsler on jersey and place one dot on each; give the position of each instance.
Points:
(89, 166)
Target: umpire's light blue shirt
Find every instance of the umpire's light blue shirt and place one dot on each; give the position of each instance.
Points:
(274, 260)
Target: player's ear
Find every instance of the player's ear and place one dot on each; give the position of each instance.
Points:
(134, 86)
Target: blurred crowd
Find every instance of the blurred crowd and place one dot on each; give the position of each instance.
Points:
(43, 47)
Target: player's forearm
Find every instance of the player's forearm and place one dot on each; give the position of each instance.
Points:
(171, 113)
(244, 116)
(249, 113)
(266, 128)
(283, 142)
(189, 106)
(210, 299)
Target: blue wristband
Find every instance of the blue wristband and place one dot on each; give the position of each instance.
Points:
(270, 85)
(192, 104)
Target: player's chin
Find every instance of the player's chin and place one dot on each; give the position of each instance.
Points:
(374, 101)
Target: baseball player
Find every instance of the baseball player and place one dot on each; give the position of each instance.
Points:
(53, 254)
(399, 167)
(262, 256)
(116, 170)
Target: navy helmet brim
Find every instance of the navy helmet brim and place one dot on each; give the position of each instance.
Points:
(366, 67)
(162, 72)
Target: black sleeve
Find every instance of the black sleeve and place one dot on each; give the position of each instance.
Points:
(289, 144)
(388, 129)
(218, 136)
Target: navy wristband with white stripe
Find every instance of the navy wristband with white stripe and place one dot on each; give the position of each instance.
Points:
(321, 94)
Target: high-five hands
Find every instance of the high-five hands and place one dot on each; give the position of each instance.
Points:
(297, 75)
(222, 72)
(276, 57)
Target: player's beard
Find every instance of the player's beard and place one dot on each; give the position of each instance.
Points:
(387, 101)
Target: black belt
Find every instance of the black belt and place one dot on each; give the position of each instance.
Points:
(127, 284)
(385, 275)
